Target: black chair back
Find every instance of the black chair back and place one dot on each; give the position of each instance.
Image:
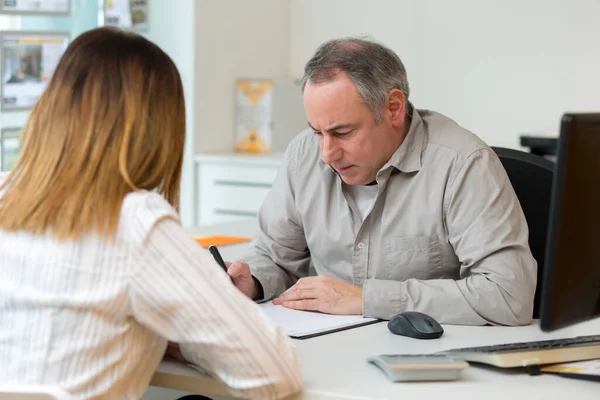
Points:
(531, 178)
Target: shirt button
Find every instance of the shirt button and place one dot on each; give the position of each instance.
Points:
(361, 245)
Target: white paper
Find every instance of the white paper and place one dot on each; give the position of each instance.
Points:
(139, 14)
(117, 13)
(48, 6)
(305, 323)
(126, 13)
(591, 367)
(28, 62)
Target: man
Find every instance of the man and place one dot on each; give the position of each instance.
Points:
(396, 209)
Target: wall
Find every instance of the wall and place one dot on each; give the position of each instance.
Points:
(174, 29)
(83, 16)
(500, 67)
(234, 39)
(213, 43)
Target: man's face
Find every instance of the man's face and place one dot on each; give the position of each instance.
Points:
(351, 141)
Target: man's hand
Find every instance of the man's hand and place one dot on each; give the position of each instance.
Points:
(243, 280)
(323, 293)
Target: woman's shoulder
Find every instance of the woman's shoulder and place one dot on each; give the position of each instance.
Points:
(141, 211)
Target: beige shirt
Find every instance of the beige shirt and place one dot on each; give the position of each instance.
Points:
(93, 316)
(446, 235)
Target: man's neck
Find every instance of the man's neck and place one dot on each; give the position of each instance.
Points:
(401, 134)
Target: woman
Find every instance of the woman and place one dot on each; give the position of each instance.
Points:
(96, 272)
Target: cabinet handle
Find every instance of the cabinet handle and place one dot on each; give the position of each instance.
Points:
(221, 211)
(241, 183)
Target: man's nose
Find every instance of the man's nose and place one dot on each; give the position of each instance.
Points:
(329, 149)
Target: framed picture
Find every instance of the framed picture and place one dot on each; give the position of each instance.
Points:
(27, 61)
(126, 14)
(254, 115)
(39, 7)
(10, 148)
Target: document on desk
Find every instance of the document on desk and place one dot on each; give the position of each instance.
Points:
(307, 324)
(587, 370)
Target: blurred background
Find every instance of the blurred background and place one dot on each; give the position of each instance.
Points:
(501, 68)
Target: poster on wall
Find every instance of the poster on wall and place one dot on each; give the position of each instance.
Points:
(127, 14)
(27, 61)
(61, 7)
(254, 115)
(10, 148)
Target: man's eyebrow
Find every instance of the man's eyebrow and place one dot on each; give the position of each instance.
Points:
(339, 127)
(333, 128)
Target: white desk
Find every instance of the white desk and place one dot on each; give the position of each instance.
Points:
(334, 366)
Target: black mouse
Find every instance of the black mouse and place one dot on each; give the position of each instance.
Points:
(415, 325)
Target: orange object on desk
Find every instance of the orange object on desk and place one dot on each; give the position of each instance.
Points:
(217, 240)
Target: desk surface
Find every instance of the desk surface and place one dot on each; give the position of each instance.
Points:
(335, 367)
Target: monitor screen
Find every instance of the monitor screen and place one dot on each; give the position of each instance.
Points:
(571, 276)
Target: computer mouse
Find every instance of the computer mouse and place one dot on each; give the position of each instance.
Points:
(415, 325)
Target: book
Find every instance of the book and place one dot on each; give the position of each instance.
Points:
(306, 324)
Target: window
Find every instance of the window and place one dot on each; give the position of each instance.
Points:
(10, 22)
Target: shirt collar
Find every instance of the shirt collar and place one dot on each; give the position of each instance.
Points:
(407, 157)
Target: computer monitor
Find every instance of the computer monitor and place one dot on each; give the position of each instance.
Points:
(571, 276)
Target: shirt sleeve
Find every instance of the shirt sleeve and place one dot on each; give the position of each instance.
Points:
(179, 292)
(279, 255)
(489, 234)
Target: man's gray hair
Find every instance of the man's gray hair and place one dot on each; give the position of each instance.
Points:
(374, 69)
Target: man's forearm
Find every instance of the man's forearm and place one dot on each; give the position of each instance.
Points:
(471, 301)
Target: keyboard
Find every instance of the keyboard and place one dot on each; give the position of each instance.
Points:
(531, 353)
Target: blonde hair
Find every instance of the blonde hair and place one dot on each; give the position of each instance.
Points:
(111, 121)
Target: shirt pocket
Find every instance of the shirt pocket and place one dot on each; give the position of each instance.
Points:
(417, 257)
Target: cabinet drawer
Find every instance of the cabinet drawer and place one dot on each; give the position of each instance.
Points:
(229, 193)
(215, 218)
(232, 175)
(236, 198)
(224, 202)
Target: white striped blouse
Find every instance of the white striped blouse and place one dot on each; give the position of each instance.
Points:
(93, 316)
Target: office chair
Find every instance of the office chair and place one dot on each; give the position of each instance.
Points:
(33, 392)
(531, 177)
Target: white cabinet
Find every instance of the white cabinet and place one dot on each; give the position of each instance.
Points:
(232, 187)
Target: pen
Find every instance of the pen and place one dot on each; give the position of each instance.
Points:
(217, 256)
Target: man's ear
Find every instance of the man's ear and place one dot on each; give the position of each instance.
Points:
(396, 105)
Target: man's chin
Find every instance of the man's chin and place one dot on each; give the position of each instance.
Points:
(352, 176)
(354, 180)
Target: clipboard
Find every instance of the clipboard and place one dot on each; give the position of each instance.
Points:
(308, 324)
(327, 332)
